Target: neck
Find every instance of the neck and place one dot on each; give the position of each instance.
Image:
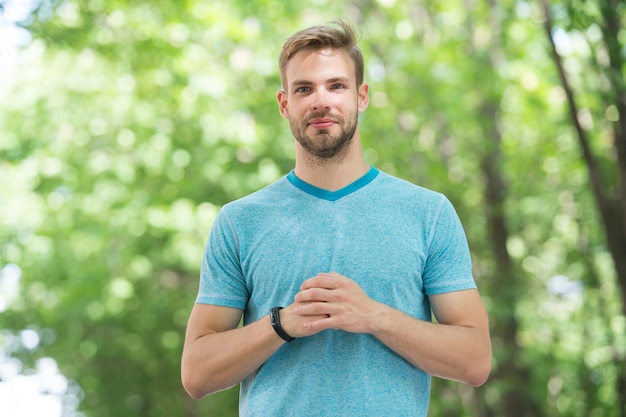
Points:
(332, 174)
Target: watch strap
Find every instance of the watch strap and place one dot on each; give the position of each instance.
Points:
(278, 328)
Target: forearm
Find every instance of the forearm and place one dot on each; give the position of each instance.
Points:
(219, 360)
(448, 351)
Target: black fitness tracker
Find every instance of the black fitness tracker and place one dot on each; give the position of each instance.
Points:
(275, 319)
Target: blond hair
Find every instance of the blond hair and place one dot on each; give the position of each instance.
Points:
(336, 35)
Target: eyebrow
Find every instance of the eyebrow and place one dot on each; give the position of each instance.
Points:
(299, 83)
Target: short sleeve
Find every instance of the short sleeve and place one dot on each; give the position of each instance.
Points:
(221, 280)
(448, 265)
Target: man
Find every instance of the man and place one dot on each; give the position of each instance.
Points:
(358, 260)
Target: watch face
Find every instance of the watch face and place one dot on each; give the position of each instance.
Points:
(275, 320)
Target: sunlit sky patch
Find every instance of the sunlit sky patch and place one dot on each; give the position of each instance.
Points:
(13, 36)
(38, 392)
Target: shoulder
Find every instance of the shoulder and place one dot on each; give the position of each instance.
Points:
(406, 193)
(269, 194)
(268, 204)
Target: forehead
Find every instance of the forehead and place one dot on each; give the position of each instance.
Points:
(319, 65)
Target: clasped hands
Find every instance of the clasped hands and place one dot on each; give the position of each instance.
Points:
(330, 301)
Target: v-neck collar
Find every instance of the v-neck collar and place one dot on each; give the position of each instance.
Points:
(333, 195)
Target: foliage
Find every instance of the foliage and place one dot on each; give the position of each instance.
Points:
(126, 125)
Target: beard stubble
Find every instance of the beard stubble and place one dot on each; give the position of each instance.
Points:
(322, 146)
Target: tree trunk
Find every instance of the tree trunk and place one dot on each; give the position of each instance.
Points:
(610, 199)
(516, 400)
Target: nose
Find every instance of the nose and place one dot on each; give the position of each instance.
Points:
(320, 100)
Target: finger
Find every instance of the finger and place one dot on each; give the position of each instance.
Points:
(323, 280)
(324, 323)
(318, 309)
(312, 295)
(331, 274)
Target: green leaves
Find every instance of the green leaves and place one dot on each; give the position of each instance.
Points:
(126, 125)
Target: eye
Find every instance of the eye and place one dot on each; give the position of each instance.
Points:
(303, 89)
(337, 86)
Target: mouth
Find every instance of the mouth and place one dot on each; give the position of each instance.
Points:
(323, 123)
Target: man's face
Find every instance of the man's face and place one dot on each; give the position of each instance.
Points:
(322, 101)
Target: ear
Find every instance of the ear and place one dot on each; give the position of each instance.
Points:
(281, 96)
(363, 97)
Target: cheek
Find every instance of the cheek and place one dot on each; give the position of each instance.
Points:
(295, 112)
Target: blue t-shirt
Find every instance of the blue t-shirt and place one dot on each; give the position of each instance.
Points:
(398, 241)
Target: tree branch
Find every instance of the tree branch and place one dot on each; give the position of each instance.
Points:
(595, 175)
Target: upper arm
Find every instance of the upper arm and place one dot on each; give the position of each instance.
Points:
(207, 318)
(199, 373)
(465, 313)
(462, 308)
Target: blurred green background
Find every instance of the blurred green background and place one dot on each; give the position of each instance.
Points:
(125, 125)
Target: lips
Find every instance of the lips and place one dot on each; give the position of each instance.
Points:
(323, 123)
